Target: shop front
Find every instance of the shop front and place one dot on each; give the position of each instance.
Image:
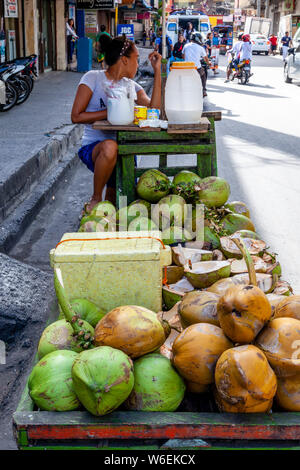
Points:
(10, 29)
(46, 35)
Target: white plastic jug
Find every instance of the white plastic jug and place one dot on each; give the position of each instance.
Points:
(183, 94)
(120, 111)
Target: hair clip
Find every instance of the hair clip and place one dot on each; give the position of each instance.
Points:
(125, 47)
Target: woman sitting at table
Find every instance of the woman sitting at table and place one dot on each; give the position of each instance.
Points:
(99, 148)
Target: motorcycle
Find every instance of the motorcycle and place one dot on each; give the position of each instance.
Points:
(242, 72)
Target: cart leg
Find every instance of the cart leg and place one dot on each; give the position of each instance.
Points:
(128, 177)
(204, 164)
(214, 163)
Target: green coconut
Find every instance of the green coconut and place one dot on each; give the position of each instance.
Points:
(153, 185)
(104, 209)
(238, 207)
(89, 218)
(183, 181)
(102, 379)
(139, 205)
(234, 222)
(210, 236)
(175, 235)
(50, 382)
(214, 192)
(60, 335)
(206, 273)
(169, 211)
(157, 385)
(87, 311)
(142, 224)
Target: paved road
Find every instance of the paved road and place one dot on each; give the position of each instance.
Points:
(258, 143)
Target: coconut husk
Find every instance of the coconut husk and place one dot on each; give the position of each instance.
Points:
(282, 288)
(218, 255)
(183, 256)
(230, 250)
(274, 300)
(174, 274)
(206, 273)
(174, 292)
(239, 266)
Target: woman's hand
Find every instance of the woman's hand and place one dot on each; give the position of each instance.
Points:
(155, 59)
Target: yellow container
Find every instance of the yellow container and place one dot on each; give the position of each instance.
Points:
(115, 271)
(140, 113)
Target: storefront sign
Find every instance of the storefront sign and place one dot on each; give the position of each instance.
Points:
(90, 22)
(95, 4)
(127, 29)
(128, 15)
(11, 8)
(143, 16)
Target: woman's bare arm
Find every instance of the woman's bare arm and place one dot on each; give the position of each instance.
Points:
(82, 99)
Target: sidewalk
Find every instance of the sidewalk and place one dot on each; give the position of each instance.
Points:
(34, 135)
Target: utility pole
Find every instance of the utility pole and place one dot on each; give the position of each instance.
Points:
(258, 8)
(164, 60)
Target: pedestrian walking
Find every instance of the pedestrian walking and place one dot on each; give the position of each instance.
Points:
(71, 39)
(99, 149)
(273, 44)
(144, 38)
(158, 44)
(215, 49)
(286, 42)
(100, 38)
(194, 52)
(152, 39)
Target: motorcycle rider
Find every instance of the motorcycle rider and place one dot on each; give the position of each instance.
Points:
(193, 52)
(242, 51)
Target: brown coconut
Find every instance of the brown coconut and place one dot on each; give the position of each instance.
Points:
(245, 382)
(196, 351)
(242, 312)
(132, 329)
(198, 307)
(288, 307)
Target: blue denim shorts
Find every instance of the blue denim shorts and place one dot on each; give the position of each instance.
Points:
(85, 155)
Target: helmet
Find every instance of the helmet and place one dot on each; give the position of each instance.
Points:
(197, 38)
(246, 38)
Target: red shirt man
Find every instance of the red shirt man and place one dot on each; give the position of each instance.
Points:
(273, 41)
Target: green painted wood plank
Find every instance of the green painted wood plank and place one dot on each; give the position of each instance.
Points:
(156, 149)
(204, 164)
(214, 161)
(128, 186)
(124, 137)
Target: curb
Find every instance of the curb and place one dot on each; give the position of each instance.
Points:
(17, 187)
(14, 225)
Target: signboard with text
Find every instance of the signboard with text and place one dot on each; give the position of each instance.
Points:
(95, 4)
(127, 29)
(11, 8)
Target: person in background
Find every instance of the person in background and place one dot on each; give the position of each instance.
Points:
(215, 50)
(273, 44)
(286, 42)
(100, 35)
(71, 38)
(208, 44)
(189, 31)
(152, 39)
(194, 52)
(99, 148)
(178, 47)
(144, 38)
(234, 52)
(158, 44)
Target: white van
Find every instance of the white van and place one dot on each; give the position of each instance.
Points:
(178, 20)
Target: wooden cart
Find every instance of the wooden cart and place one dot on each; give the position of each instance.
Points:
(132, 430)
(132, 141)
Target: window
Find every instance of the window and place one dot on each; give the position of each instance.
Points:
(204, 27)
(172, 27)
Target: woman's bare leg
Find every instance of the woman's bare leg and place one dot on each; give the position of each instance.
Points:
(104, 157)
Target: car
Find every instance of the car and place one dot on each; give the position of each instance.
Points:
(292, 62)
(260, 44)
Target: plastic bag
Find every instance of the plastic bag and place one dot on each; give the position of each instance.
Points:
(121, 96)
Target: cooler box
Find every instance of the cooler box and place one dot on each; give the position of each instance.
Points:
(115, 271)
(84, 54)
